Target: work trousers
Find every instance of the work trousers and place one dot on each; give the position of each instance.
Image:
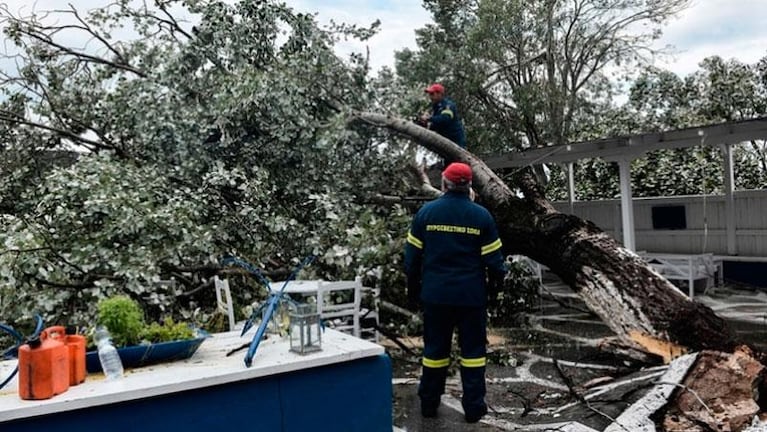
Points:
(438, 324)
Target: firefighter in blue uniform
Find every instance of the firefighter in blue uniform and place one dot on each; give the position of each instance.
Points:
(451, 248)
(444, 118)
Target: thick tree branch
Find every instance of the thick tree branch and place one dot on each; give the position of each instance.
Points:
(63, 50)
(616, 284)
(489, 185)
(11, 117)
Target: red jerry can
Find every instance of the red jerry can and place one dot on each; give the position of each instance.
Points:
(76, 344)
(43, 367)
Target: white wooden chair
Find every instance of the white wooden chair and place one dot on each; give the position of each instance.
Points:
(224, 299)
(346, 310)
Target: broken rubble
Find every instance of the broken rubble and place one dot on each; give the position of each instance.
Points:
(719, 393)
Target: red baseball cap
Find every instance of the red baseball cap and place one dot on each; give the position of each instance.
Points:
(435, 88)
(458, 173)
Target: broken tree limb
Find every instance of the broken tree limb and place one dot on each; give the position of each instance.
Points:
(616, 284)
(400, 310)
(424, 184)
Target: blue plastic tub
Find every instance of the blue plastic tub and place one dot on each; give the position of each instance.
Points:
(143, 355)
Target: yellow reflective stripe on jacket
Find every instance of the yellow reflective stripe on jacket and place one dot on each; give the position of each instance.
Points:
(448, 112)
(474, 362)
(413, 240)
(441, 363)
(492, 247)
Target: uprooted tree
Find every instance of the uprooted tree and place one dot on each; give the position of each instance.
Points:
(239, 143)
(616, 284)
(531, 74)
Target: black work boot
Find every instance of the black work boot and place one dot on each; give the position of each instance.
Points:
(475, 416)
(428, 412)
(429, 409)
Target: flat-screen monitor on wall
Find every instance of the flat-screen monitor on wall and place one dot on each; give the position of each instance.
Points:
(669, 217)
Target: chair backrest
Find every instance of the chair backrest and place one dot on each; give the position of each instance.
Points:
(224, 299)
(348, 308)
(326, 290)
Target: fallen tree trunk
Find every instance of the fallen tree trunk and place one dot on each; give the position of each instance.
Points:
(617, 285)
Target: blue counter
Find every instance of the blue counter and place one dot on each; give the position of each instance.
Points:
(345, 387)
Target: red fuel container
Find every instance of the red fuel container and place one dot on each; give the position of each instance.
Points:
(43, 368)
(76, 345)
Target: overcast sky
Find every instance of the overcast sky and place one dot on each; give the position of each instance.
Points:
(729, 28)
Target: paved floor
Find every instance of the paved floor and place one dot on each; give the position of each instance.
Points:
(528, 391)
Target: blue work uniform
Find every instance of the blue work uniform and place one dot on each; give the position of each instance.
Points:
(451, 245)
(446, 121)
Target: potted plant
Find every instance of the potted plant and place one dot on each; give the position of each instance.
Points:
(138, 343)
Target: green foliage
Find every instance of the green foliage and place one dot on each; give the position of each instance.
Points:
(167, 331)
(124, 319)
(228, 138)
(659, 100)
(531, 74)
(520, 295)
(133, 173)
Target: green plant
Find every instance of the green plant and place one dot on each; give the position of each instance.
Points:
(124, 319)
(169, 330)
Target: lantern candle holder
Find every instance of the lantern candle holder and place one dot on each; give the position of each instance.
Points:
(305, 329)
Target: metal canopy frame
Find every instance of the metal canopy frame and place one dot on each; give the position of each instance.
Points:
(624, 150)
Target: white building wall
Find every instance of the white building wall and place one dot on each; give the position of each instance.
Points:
(706, 223)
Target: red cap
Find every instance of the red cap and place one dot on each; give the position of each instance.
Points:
(458, 173)
(435, 88)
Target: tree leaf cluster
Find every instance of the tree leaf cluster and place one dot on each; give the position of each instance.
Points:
(184, 144)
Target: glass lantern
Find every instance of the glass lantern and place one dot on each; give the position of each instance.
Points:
(305, 329)
(279, 326)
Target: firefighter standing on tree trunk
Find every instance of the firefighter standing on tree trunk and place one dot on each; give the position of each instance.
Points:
(452, 247)
(443, 118)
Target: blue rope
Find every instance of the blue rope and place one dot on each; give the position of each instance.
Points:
(271, 306)
(19, 341)
(253, 270)
(247, 266)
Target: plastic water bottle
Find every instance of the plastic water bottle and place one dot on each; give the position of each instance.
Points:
(108, 356)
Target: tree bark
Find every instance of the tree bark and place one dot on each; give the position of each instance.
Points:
(616, 284)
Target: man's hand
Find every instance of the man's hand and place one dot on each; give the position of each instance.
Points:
(414, 292)
(494, 287)
(424, 120)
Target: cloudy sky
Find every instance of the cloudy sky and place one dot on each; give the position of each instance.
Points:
(729, 28)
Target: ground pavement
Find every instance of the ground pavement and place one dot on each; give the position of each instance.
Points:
(529, 384)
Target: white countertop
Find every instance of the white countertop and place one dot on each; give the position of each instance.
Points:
(207, 367)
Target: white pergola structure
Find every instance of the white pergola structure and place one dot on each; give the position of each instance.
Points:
(624, 150)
